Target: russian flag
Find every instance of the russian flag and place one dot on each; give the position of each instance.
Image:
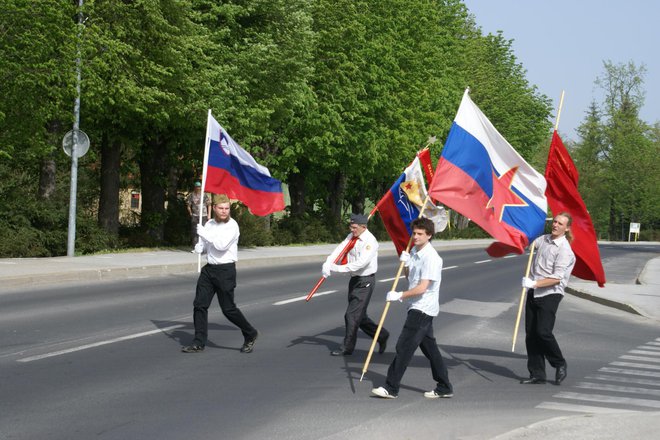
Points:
(481, 176)
(230, 170)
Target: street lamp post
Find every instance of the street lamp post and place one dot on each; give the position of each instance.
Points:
(71, 241)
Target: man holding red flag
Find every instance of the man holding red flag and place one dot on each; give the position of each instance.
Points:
(361, 260)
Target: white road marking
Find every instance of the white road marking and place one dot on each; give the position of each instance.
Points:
(640, 358)
(609, 399)
(302, 298)
(482, 261)
(100, 343)
(449, 267)
(652, 353)
(635, 365)
(624, 379)
(479, 309)
(581, 408)
(617, 388)
(629, 372)
(390, 279)
(511, 256)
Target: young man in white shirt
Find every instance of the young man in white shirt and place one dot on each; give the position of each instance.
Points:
(362, 263)
(219, 239)
(424, 272)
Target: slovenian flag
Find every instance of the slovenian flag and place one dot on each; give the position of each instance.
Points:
(230, 170)
(481, 176)
(402, 203)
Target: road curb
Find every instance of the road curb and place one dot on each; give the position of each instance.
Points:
(604, 301)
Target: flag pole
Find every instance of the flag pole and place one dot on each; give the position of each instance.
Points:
(207, 143)
(561, 104)
(387, 304)
(522, 299)
(337, 260)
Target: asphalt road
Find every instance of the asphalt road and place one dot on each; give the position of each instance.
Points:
(103, 361)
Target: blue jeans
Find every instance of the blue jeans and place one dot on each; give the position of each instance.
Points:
(417, 332)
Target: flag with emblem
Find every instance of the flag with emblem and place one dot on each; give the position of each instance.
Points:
(229, 169)
(481, 176)
(402, 203)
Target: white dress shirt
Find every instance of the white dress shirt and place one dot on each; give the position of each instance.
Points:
(222, 246)
(554, 259)
(425, 264)
(362, 259)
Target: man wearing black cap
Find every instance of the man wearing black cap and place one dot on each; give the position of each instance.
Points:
(362, 263)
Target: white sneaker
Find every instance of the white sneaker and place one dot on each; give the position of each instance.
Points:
(433, 394)
(382, 392)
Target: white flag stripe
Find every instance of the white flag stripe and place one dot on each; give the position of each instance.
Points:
(635, 365)
(618, 388)
(609, 399)
(640, 358)
(629, 372)
(636, 381)
(582, 408)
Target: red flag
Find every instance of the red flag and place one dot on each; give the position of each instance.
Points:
(563, 195)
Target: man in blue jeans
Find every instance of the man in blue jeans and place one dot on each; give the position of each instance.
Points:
(424, 270)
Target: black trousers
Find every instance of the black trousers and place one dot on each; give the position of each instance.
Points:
(417, 332)
(220, 279)
(360, 289)
(540, 314)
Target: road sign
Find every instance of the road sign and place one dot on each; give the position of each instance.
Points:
(83, 143)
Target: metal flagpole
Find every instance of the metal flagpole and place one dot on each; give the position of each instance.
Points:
(207, 144)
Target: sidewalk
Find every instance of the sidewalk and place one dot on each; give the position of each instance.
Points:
(16, 273)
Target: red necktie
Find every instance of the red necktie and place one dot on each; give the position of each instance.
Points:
(347, 249)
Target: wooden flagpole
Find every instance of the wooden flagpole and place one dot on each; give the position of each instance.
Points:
(531, 250)
(387, 304)
(522, 299)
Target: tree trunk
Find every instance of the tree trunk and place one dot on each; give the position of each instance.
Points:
(335, 201)
(108, 217)
(47, 177)
(297, 192)
(153, 178)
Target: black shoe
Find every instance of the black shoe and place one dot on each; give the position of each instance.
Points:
(248, 345)
(561, 374)
(194, 348)
(532, 381)
(341, 352)
(382, 345)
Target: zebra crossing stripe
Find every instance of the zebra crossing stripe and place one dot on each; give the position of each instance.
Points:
(557, 406)
(618, 388)
(609, 399)
(620, 379)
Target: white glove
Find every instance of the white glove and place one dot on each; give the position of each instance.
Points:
(394, 295)
(528, 283)
(325, 270)
(202, 232)
(405, 258)
(199, 248)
